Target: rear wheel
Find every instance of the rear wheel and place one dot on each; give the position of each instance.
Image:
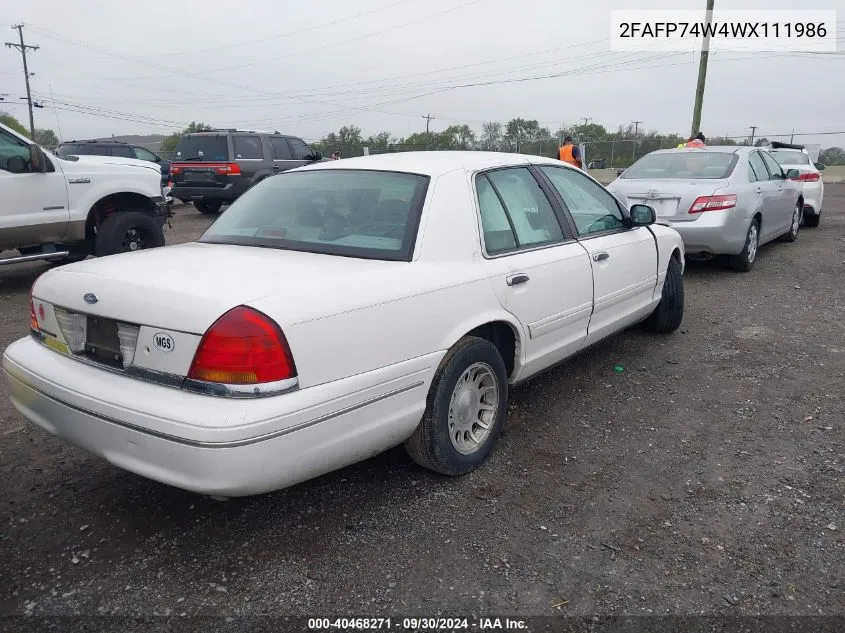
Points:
(669, 313)
(208, 206)
(745, 260)
(792, 234)
(812, 220)
(465, 409)
(128, 231)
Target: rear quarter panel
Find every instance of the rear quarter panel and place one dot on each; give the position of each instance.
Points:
(421, 308)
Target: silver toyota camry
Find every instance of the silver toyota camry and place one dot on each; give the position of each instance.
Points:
(722, 200)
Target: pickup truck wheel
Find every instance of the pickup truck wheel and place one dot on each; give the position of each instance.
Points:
(669, 313)
(465, 409)
(128, 231)
(208, 207)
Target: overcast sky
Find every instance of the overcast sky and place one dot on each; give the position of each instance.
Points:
(307, 68)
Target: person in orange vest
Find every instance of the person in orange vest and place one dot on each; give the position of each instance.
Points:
(696, 141)
(693, 141)
(568, 153)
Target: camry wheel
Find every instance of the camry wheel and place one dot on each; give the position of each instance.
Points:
(465, 409)
(669, 313)
(745, 260)
(208, 207)
(792, 234)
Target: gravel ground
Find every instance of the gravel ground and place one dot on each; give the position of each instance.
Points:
(707, 477)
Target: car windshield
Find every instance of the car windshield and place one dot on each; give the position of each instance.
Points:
(202, 147)
(790, 157)
(695, 164)
(354, 213)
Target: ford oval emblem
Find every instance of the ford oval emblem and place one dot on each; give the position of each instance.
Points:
(90, 298)
(163, 342)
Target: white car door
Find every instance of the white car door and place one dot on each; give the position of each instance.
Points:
(624, 260)
(539, 272)
(33, 205)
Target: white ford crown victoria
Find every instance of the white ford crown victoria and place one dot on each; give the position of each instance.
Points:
(335, 311)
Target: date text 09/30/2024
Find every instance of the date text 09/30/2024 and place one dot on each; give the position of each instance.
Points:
(416, 624)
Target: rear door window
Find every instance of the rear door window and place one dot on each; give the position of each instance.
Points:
(698, 164)
(757, 168)
(529, 212)
(248, 148)
(124, 151)
(774, 169)
(281, 150)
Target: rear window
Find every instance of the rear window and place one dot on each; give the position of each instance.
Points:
(790, 157)
(698, 164)
(202, 147)
(354, 213)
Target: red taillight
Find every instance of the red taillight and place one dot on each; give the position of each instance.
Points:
(229, 169)
(808, 177)
(243, 347)
(713, 203)
(221, 169)
(33, 319)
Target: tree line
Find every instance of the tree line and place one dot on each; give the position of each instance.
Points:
(619, 148)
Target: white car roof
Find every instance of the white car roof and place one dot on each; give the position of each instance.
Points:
(434, 163)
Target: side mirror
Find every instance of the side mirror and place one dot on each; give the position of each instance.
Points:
(819, 166)
(37, 159)
(642, 215)
(792, 174)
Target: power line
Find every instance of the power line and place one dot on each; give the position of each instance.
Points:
(22, 47)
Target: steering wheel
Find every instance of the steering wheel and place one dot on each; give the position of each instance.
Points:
(603, 220)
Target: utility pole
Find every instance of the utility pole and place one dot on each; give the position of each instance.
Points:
(587, 120)
(23, 48)
(702, 71)
(636, 130)
(792, 136)
(753, 129)
(428, 118)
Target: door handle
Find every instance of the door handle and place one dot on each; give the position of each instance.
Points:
(600, 256)
(759, 190)
(515, 280)
(277, 167)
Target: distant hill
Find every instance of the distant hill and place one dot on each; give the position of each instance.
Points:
(151, 141)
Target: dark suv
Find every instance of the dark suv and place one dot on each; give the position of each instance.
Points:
(213, 168)
(110, 147)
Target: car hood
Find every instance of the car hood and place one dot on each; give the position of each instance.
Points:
(82, 162)
(189, 286)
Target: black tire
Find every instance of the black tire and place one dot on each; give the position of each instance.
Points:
(795, 224)
(744, 262)
(669, 313)
(812, 221)
(128, 231)
(208, 206)
(431, 446)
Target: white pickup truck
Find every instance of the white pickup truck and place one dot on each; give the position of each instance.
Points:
(64, 209)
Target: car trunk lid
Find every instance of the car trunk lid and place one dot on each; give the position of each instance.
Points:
(671, 198)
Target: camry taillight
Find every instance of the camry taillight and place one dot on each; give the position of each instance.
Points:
(713, 203)
(808, 177)
(243, 347)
